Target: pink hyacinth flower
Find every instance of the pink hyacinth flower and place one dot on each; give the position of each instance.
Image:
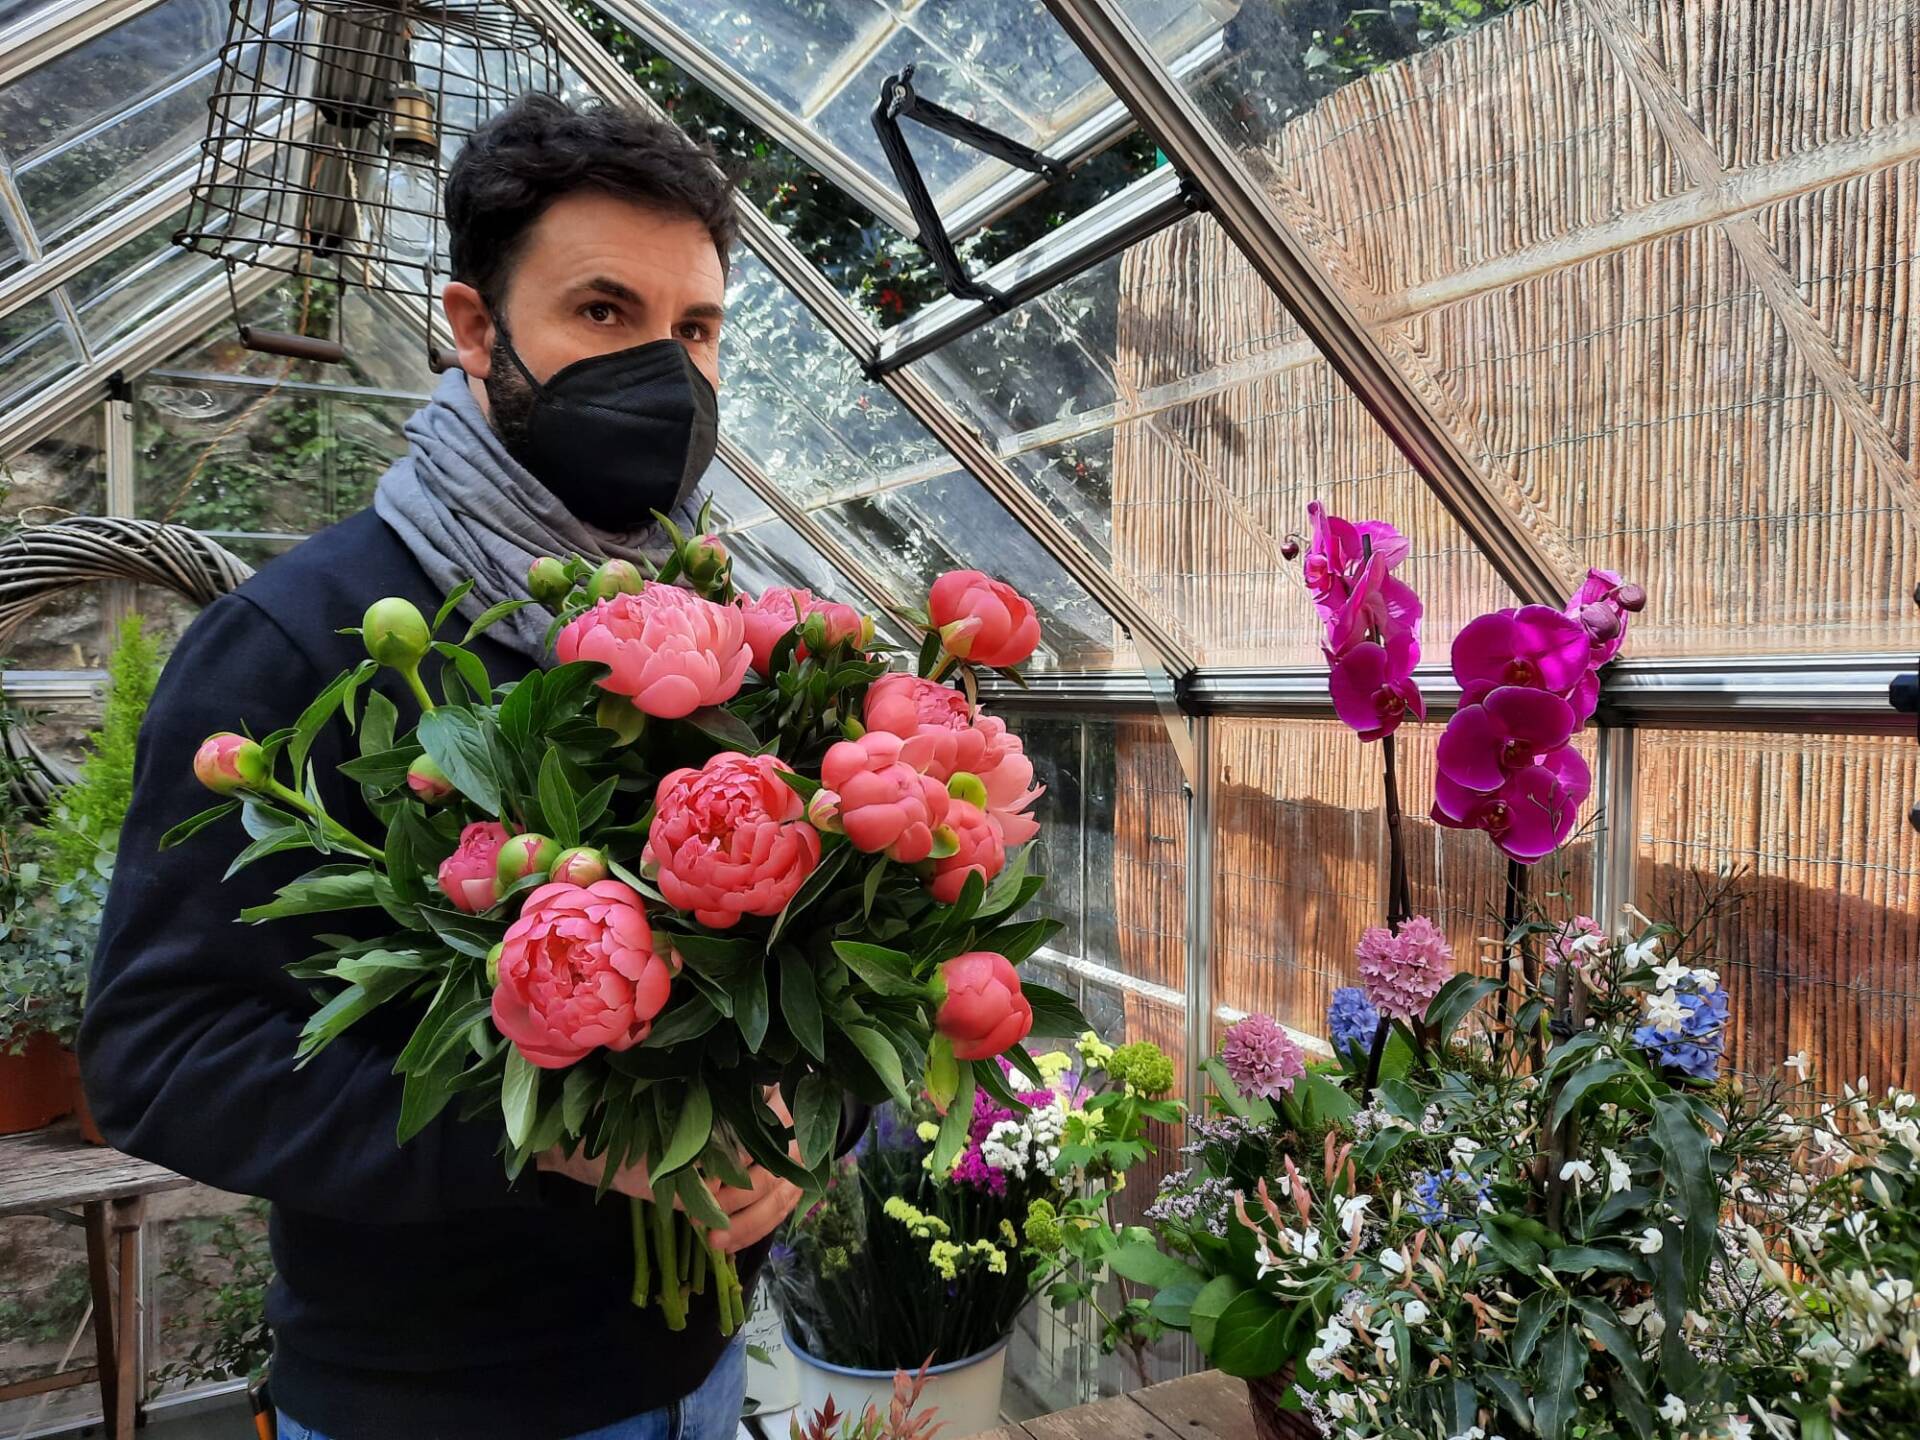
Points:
(1261, 1059)
(1535, 646)
(1402, 972)
(1485, 743)
(669, 650)
(1531, 813)
(1373, 688)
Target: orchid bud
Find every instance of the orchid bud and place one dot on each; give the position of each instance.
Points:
(396, 633)
(968, 787)
(227, 763)
(493, 963)
(616, 577)
(547, 581)
(1631, 598)
(705, 559)
(1602, 621)
(427, 781)
(823, 812)
(1290, 548)
(524, 855)
(619, 714)
(582, 865)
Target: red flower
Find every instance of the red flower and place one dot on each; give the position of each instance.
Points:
(982, 619)
(981, 1008)
(469, 877)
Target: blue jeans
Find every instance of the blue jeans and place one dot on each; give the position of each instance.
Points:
(710, 1413)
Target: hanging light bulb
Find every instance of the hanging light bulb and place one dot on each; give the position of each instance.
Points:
(409, 198)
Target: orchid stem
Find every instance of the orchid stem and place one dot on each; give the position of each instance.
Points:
(329, 826)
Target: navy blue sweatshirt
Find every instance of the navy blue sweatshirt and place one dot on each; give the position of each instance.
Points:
(418, 1293)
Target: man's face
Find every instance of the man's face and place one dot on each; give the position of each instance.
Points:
(596, 274)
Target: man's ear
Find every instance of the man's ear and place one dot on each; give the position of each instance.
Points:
(472, 323)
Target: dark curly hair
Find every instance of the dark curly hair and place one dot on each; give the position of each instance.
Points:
(540, 148)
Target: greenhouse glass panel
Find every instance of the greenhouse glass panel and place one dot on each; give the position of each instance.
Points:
(61, 474)
(1818, 940)
(35, 348)
(133, 283)
(1177, 420)
(841, 446)
(384, 350)
(1309, 791)
(1596, 243)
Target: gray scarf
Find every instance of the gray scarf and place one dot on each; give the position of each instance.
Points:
(466, 509)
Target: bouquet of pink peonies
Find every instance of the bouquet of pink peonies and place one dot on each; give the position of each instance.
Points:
(667, 902)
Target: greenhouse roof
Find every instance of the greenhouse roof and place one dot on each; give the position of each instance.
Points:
(1620, 283)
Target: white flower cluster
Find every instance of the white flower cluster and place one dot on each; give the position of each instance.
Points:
(1664, 1010)
(1029, 1142)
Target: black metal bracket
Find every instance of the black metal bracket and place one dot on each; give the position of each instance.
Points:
(898, 101)
(1904, 695)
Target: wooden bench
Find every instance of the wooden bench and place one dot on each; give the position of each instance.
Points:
(57, 1174)
(1209, 1406)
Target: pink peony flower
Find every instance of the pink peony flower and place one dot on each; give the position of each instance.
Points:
(879, 799)
(668, 649)
(1531, 813)
(1581, 937)
(1373, 688)
(910, 707)
(1402, 972)
(1261, 1059)
(1534, 646)
(227, 764)
(982, 1011)
(1507, 731)
(778, 610)
(578, 972)
(982, 619)
(1007, 773)
(981, 847)
(730, 839)
(468, 876)
(832, 623)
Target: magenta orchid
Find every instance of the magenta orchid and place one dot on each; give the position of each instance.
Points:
(1531, 813)
(1373, 688)
(1508, 731)
(1371, 621)
(1535, 646)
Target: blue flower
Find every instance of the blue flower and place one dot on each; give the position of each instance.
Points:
(1448, 1194)
(1351, 1021)
(1696, 1047)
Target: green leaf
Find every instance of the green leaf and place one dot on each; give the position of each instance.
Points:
(519, 1096)
(692, 1127)
(725, 728)
(457, 741)
(1535, 1311)
(817, 884)
(690, 1021)
(577, 1097)
(871, 889)
(1598, 1317)
(470, 669)
(1250, 1337)
(1687, 1163)
(887, 972)
(556, 800)
(468, 934)
(1506, 1238)
(452, 603)
(383, 769)
(274, 842)
(320, 710)
(377, 725)
(800, 1001)
(492, 615)
(1596, 1072)
(1173, 1307)
(188, 828)
(956, 1124)
(519, 710)
(1454, 1000)
(423, 1095)
(816, 1118)
(1209, 1305)
(331, 888)
(879, 1053)
(1149, 1265)
(1018, 942)
(1563, 1369)
(1583, 1260)
(750, 1009)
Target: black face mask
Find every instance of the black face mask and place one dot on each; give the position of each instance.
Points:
(614, 437)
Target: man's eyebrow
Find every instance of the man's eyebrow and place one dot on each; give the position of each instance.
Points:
(613, 289)
(705, 310)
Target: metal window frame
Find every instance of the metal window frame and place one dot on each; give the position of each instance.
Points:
(32, 42)
(1294, 273)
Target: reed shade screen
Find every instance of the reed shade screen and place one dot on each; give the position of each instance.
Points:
(1822, 951)
(1651, 262)
(1300, 863)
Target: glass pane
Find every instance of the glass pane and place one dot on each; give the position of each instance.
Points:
(63, 474)
(843, 447)
(1701, 382)
(134, 282)
(1820, 943)
(43, 1307)
(1299, 855)
(382, 352)
(238, 461)
(35, 348)
(1176, 419)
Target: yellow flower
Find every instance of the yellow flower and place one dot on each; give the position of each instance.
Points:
(1053, 1065)
(1007, 1230)
(928, 1131)
(997, 1261)
(919, 1224)
(945, 1256)
(1093, 1050)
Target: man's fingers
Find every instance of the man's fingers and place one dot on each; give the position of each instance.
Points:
(759, 1219)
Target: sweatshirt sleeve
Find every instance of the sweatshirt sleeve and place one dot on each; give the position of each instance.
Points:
(187, 1043)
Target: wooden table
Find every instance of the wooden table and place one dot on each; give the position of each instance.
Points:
(54, 1172)
(1209, 1406)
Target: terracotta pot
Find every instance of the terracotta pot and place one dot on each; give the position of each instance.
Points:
(1270, 1422)
(33, 1092)
(77, 1098)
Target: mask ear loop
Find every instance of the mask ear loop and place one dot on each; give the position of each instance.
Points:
(500, 325)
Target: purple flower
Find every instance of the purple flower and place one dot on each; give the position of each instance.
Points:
(1529, 815)
(1372, 686)
(1507, 731)
(1346, 570)
(1535, 646)
(1261, 1058)
(1403, 972)
(1696, 1047)
(1351, 1021)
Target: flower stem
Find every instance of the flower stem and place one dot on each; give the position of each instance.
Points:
(673, 1304)
(642, 1269)
(414, 683)
(1399, 892)
(947, 662)
(329, 826)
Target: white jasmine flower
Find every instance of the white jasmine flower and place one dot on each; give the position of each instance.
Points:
(1666, 1014)
(1706, 981)
(1696, 1321)
(1670, 973)
(1393, 1262)
(1303, 1242)
(1334, 1338)
(1780, 1427)
(1463, 1150)
(1799, 1063)
(1641, 952)
(1859, 1225)
(1268, 1261)
(1578, 1171)
(1736, 1427)
(1415, 1313)
(1353, 1212)
(1619, 1174)
(1654, 1327)
(1467, 1242)
(1340, 1403)
(1651, 1241)
(1673, 1410)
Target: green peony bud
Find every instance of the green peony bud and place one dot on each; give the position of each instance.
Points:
(582, 865)
(396, 633)
(524, 855)
(493, 964)
(619, 714)
(428, 781)
(547, 581)
(616, 577)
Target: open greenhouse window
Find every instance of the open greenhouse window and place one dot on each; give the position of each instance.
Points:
(1645, 280)
(1174, 417)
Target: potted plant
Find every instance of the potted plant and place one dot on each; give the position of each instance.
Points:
(901, 1265)
(32, 1088)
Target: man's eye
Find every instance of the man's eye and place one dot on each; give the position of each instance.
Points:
(600, 312)
(694, 332)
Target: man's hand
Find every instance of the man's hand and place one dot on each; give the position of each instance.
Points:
(632, 1180)
(755, 1212)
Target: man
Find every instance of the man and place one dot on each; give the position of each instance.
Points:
(420, 1294)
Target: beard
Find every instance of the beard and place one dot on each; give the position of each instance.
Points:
(510, 398)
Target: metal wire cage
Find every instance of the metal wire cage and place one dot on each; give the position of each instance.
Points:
(331, 125)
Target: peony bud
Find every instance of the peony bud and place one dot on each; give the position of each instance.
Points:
(582, 865)
(427, 781)
(547, 581)
(852, 728)
(493, 964)
(524, 855)
(396, 633)
(616, 577)
(970, 788)
(813, 633)
(227, 763)
(982, 1010)
(705, 560)
(823, 812)
(619, 714)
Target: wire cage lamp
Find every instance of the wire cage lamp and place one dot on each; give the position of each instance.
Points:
(330, 127)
